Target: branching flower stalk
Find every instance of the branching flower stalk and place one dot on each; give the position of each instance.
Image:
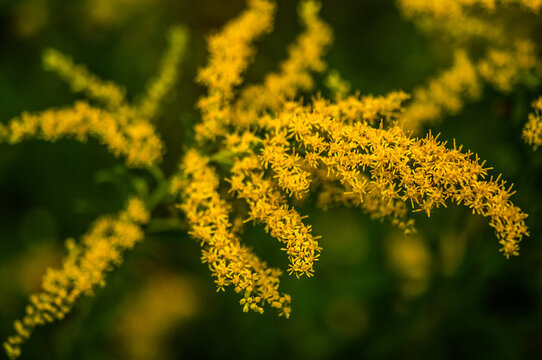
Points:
(260, 148)
(231, 263)
(82, 271)
(273, 147)
(125, 129)
(509, 56)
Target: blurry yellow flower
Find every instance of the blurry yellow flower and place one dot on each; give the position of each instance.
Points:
(165, 301)
(532, 132)
(411, 260)
(83, 269)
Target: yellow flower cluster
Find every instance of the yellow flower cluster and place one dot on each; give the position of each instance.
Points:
(443, 94)
(338, 86)
(83, 269)
(230, 262)
(503, 68)
(263, 147)
(370, 109)
(125, 129)
(422, 172)
(268, 205)
(81, 80)
(305, 55)
(132, 137)
(532, 132)
(230, 51)
(332, 193)
(273, 147)
(451, 8)
(508, 56)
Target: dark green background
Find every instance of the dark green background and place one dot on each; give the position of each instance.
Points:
(487, 308)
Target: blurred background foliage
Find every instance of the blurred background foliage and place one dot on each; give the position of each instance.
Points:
(444, 293)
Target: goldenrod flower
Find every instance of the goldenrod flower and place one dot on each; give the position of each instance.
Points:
(422, 172)
(123, 133)
(358, 143)
(230, 51)
(304, 55)
(267, 205)
(443, 94)
(81, 80)
(532, 132)
(231, 263)
(451, 8)
(486, 49)
(263, 148)
(126, 130)
(83, 269)
(503, 68)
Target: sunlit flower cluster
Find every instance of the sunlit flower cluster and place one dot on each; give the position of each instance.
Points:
(352, 150)
(262, 150)
(231, 263)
